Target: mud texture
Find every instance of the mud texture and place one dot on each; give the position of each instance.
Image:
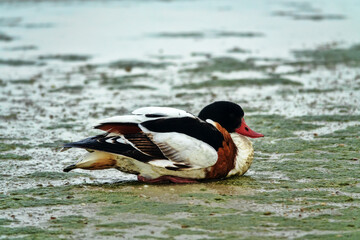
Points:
(292, 66)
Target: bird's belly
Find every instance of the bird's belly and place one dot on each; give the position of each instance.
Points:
(130, 165)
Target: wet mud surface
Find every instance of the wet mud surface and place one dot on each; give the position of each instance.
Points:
(293, 67)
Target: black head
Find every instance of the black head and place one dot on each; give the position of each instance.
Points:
(228, 114)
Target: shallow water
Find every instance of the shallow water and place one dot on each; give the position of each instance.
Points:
(292, 65)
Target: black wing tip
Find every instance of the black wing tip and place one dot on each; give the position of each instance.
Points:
(155, 115)
(69, 168)
(172, 168)
(178, 167)
(98, 126)
(68, 145)
(84, 142)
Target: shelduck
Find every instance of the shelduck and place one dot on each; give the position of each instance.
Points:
(162, 144)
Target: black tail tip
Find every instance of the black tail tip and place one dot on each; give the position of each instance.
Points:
(69, 168)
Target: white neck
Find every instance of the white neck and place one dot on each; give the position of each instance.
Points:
(244, 155)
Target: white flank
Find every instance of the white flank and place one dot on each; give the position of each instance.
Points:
(179, 147)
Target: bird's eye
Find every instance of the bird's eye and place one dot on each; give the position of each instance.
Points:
(246, 129)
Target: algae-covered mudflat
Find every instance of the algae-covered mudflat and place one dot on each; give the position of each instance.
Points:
(293, 66)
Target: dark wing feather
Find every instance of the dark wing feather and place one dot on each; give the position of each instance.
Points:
(193, 127)
(111, 145)
(145, 145)
(142, 148)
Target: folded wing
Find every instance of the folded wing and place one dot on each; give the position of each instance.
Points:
(163, 137)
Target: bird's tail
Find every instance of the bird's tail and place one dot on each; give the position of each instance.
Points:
(95, 160)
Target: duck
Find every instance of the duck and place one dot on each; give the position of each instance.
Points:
(164, 144)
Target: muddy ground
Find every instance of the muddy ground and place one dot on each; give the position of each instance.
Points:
(293, 66)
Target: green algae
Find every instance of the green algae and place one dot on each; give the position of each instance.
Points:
(341, 235)
(166, 57)
(11, 116)
(221, 64)
(351, 131)
(258, 221)
(121, 225)
(55, 144)
(39, 236)
(239, 34)
(24, 202)
(110, 233)
(20, 230)
(329, 118)
(50, 192)
(62, 125)
(174, 232)
(311, 17)
(206, 196)
(24, 81)
(239, 83)
(288, 146)
(203, 217)
(122, 79)
(243, 181)
(17, 62)
(123, 202)
(36, 197)
(149, 237)
(54, 175)
(285, 92)
(201, 54)
(330, 56)
(126, 82)
(129, 64)
(29, 232)
(8, 146)
(231, 222)
(140, 206)
(300, 145)
(277, 126)
(69, 89)
(237, 50)
(5, 221)
(33, 231)
(317, 90)
(190, 95)
(336, 153)
(38, 25)
(14, 157)
(65, 57)
(179, 35)
(5, 38)
(295, 197)
(71, 221)
(216, 34)
(22, 48)
(135, 86)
